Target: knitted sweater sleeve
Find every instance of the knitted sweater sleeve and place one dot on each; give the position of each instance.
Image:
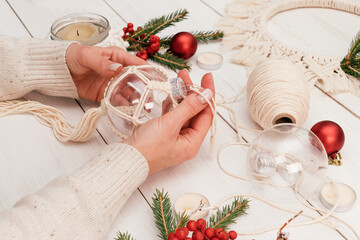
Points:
(34, 64)
(81, 205)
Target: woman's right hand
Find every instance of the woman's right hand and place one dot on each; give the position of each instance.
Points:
(176, 136)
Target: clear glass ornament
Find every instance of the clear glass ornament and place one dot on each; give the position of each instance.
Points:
(141, 93)
(287, 158)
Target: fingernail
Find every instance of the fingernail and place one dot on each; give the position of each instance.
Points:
(114, 66)
(207, 93)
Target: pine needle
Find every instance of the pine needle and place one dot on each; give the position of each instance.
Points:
(170, 61)
(201, 36)
(229, 213)
(181, 220)
(351, 62)
(124, 236)
(157, 24)
(162, 213)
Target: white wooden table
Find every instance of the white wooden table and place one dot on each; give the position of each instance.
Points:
(30, 156)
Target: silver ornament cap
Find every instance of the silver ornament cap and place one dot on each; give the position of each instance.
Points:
(178, 89)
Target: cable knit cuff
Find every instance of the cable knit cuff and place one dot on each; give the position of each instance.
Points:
(115, 174)
(34, 64)
(45, 67)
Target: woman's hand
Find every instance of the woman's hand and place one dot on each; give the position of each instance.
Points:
(176, 136)
(92, 68)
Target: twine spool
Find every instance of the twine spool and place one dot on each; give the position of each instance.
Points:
(277, 92)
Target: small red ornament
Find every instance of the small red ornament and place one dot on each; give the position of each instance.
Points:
(183, 45)
(332, 137)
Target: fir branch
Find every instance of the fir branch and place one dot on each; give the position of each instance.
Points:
(228, 214)
(354, 47)
(201, 36)
(351, 62)
(157, 24)
(162, 213)
(124, 236)
(170, 61)
(181, 220)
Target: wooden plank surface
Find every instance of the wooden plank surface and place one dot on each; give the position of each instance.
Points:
(22, 176)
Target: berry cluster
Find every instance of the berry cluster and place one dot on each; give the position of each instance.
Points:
(153, 45)
(200, 232)
(152, 48)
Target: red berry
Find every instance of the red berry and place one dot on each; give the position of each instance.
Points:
(175, 238)
(130, 25)
(232, 234)
(219, 233)
(149, 50)
(154, 47)
(225, 236)
(215, 238)
(144, 56)
(209, 232)
(156, 44)
(138, 54)
(201, 223)
(182, 233)
(197, 235)
(142, 35)
(125, 29)
(130, 30)
(152, 39)
(143, 51)
(188, 238)
(139, 28)
(192, 225)
(157, 39)
(171, 236)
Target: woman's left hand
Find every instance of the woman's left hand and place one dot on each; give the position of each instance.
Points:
(92, 67)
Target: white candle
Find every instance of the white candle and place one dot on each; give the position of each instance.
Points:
(81, 32)
(330, 192)
(209, 60)
(193, 204)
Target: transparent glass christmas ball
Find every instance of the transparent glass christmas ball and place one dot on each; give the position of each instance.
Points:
(129, 90)
(288, 159)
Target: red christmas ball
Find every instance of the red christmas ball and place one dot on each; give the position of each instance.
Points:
(330, 134)
(183, 45)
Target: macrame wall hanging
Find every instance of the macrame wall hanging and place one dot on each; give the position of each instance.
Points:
(245, 28)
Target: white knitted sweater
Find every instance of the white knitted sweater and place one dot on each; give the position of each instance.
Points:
(83, 204)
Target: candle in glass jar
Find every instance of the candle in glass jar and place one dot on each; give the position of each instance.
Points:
(85, 28)
(78, 32)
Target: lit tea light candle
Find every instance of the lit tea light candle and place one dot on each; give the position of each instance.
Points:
(194, 205)
(85, 28)
(78, 32)
(209, 60)
(330, 192)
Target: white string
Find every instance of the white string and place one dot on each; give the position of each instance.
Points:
(320, 219)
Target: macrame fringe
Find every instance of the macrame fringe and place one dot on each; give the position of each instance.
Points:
(244, 26)
(53, 118)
